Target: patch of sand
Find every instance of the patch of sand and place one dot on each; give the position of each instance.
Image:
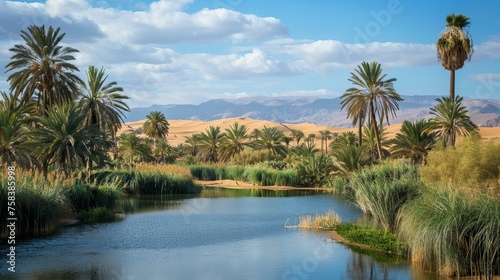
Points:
(231, 184)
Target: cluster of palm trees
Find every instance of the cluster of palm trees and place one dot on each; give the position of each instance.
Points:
(52, 119)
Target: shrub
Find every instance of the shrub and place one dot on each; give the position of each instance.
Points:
(326, 221)
(473, 165)
(370, 236)
(315, 170)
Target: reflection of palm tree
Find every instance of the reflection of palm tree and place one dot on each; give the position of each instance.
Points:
(209, 143)
(413, 141)
(454, 46)
(374, 97)
(156, 126)
(234, 141)
(63, 138)
(13, 131)
(270, 139)
(43, 69)
(450, 119)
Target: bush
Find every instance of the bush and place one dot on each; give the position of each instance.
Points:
(315, 170)
(473, 165)
(326, 221)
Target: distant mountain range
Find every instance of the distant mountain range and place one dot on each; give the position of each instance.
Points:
(315, 110)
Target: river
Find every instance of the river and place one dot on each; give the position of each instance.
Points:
(218, 234)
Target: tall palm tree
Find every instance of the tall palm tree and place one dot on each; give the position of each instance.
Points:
(62, 138)
(156, 127)
(325, 135)
(454, 46)
(41, 68)
(413, 141)
(102, 102)
(234, 141)
(450, 119)
(270, 139)
(375, 97)
(14, 131)
(210, 141)
(134, 149)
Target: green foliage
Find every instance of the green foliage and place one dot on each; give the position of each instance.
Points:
(370, 236)
(315, 170)
(85, 196)
(413, 141)
(473, 164)
(134, 182)
(39, 207)
(382, 191)
(452, 233)
(249, 157)
(95, 214)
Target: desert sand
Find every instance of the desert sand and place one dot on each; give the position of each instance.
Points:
(180, 129)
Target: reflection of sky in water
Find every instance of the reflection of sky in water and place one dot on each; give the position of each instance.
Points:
(200, 238)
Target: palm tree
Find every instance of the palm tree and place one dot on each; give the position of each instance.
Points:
(134, 149)
(102, 102)
(62, 138)
(297, 135)
(450, 119)
(375, 97)
(42, 69)
(165, 153)
(344, 139)
(209, 143)
(234, 141)
(454, 46)
(270, 139)
(192, 143)
(370, 144)
(14, 132)
(325, 135)
(156, 126)
(310, 138)
(413, 141)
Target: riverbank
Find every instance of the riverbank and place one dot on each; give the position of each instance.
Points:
(232, 184)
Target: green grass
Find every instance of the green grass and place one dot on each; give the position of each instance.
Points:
(380, 192)
(452, 233)
(370, 236)
(39, 207)
(95, 214)
(154, 182)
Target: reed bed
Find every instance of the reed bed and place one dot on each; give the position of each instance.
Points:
(85, 196)
(325, 221)
(453, 234)
(163, 169)
(39, 207)
(380, 192)
(257, 175)
(134, 182)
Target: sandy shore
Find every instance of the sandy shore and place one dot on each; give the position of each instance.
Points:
(231, 184)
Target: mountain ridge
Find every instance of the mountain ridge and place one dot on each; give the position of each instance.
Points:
(315, 110)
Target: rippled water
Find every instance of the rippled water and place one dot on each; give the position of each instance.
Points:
(220, 234)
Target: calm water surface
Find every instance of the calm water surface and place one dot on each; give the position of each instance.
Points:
(218, 234)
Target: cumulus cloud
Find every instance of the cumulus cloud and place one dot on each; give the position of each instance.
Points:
(325, 56)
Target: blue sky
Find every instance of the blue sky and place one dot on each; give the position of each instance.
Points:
(190, 51)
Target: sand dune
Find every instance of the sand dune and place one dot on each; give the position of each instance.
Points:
(179, 129)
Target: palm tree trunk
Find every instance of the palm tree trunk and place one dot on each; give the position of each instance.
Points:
(360, 127)
(376, 131)
(452, 85)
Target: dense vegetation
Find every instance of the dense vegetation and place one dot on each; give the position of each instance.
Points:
(437, 199)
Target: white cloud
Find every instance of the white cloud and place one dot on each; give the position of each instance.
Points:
(325, 56)
(488, 79)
